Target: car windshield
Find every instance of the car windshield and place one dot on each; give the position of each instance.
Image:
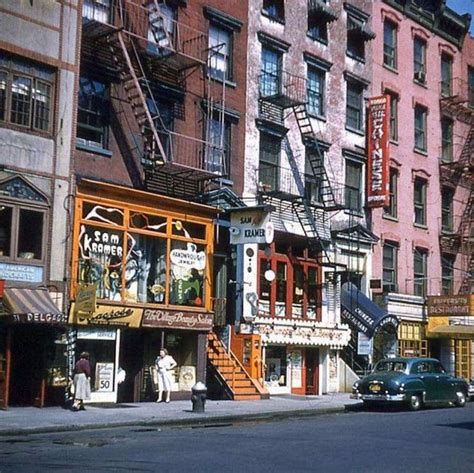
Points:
(390, 366)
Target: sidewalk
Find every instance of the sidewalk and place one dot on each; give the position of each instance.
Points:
(25, 420)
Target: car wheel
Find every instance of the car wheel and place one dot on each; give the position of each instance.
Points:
(460, 399)
(414, 402)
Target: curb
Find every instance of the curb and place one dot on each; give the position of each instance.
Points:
(201, 421)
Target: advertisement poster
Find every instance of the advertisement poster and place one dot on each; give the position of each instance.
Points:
(296, 368)
(104, 377)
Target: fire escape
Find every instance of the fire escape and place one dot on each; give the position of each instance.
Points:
(146, 46)
(456, 170)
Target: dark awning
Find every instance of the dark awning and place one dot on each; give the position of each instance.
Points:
(362, 313)
(31, 305)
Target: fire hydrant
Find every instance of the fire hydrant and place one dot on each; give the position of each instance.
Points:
(198, 397)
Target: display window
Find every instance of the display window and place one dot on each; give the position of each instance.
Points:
(276, 367)
(137, 256)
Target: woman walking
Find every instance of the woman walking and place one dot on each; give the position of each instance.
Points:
(82, 384)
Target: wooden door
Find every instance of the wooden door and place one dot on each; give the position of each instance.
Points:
(312, 370)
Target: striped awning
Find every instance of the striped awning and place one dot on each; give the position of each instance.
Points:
(31, 305)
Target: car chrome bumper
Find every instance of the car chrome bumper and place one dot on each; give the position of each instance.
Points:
(379, 397)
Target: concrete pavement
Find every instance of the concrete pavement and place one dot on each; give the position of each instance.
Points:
(25, 420)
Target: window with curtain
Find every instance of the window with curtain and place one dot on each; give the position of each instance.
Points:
(390, 44)
(220, 53)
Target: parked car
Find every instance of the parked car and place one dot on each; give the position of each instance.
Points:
(413, 381)
(470, 389)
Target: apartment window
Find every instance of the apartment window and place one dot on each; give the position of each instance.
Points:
(315, 91)
(270, 148)
(354, 106)
(98, 10)
(470, 86)
(447, 275)
(419, 60)
(446, 75)
(420, 272)
(220, 53)
(162, 29)
(318, 28)
(353, 186)
(419, 201)
(313, 183)
(358, 32)
(420, 128)
(390, 44)
(275, 9)
(26, 94)
(390, 251)
(394, 117)
(447, 195)
(219, 140)
(391, 209)
(446, 140)
(93, 113)
(270, 77)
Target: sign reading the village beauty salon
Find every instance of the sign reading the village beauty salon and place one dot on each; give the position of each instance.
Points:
(176, 319)
(378, 113)
(107, 315)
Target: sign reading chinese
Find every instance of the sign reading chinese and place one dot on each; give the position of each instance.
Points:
(176, 319)
(378, 151)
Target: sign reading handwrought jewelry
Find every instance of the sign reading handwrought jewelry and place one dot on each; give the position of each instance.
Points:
(176, 319)
(108, 315)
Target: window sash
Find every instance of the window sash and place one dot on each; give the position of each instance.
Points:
(419, 201)
(419, 55)
(447, 210)
(447, 275)
(391, 208)
(220, 56)
(390, 45)
(446, 75)
(353, 185)
(393, 117)
(419, 272)
(420, 129)
(390, 267)
(3, 95)
(315, 91)
(269, 160)
(271, 73)
(447, 140)
(354, 107)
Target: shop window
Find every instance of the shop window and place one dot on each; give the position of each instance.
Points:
(220, 53)
(275, 9)
(420, 272)
(93, 114)
(26, 94)
(419, 60)
(419, 201)
(391, 210)
(446, 75)
(390, 251)
(420, 128)
(102, 214)
(446, 140)
(276, 366)
(447, 275)
(354, 105)
(390, 44)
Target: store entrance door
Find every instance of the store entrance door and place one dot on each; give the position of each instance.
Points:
(312, 371)
(4, 369)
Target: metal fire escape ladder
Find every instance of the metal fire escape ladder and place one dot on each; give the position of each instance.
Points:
(467, 246)
(138, 91)
(316, 160)
(311, 219)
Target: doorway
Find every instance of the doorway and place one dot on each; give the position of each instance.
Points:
(312, 371)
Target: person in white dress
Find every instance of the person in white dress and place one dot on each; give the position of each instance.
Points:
(165, 363)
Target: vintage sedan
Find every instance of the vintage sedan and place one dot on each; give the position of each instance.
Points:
(413, 381)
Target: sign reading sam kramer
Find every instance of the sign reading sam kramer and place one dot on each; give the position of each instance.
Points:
(378, 112)
(176, 319)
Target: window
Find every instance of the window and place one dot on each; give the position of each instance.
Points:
(419, 201)
(391, 209)
(394, 117)
(390, 251)
(419, 60)
(162, 29)
(270, 77)
(470, 86)
(354, 103)
(312, 183)
(446, 140)
(353, 187)
(446, 75)
(270, 147)
(420, 274)
(420, 128)
(26, 94)
(315, 91)
(390, 44)
(93, 113)
(219, 140)
(220, 53)
(447, 275)
(358, 32)
(318, 28)
(275, 9)
(447, 195)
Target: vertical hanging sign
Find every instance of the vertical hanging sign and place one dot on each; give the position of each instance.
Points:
(378, 151)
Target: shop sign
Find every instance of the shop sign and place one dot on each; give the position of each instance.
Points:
(21, 272)
(104, 377)
(39, 318)
(378, 151)
(86, 298)
(96, 334)
(450, 305)
(112, 315)
(177, 319)
(251, 226)
(189, 258)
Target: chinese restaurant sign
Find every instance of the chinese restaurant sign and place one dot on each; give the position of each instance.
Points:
(108, 315)
(176, 319)
(378, 151)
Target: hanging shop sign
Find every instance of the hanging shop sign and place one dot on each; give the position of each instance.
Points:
(112, 315)
(364, 344)
(85, 298)
(252, 225)
(378, 114)
(164, 318)
(21, 272)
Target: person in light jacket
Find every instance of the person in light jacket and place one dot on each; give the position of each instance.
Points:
(82, 383)
(164, 365)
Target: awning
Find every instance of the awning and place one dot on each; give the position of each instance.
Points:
(31, 305)
(360, 28)
(452, 331)
(362, 313)
(320, 7)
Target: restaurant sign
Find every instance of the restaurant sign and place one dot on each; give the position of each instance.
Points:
(451, 305)
(163, 318)
(111, 315)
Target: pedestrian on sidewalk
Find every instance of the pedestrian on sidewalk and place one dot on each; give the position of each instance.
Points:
(82, 382)
(165, 363)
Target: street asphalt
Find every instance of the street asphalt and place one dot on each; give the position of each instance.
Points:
(25, 420)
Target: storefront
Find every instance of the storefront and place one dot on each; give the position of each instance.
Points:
(148, 258)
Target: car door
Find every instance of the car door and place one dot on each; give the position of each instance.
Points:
(424, 370)
(444, 379)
